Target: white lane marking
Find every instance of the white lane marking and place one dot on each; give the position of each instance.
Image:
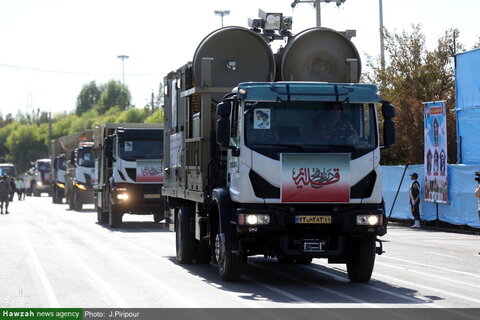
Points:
(407, 298)
(441, 254)
(47, 287)
(279, 291)
(348, 297)
(434, 290)
(436, 267)
(170, 290)
(430, 275)
(97, 280)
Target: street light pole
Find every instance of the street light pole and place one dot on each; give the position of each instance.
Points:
(123, 57)
(382, 47)
(222, 13)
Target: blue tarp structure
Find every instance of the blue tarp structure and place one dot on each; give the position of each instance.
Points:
(467, 85)
(462, 204)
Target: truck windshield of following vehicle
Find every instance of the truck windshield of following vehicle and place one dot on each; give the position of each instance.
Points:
(302, 126)
(140, 147)
(85, 157)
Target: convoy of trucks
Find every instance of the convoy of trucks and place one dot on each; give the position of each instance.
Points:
(129, 171)
(276, 154)
(259, 157)
(62, 148)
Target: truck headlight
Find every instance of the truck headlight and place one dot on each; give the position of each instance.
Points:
(253, 219)
(39, 184)
(122, 196)
(81, 186)
(369, 220)
(60, 185)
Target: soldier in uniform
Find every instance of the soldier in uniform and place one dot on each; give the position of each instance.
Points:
(5, 191)
(335, 126)
(415, 200)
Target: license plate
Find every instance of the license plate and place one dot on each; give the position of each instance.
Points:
(152, 196)
(313, 219)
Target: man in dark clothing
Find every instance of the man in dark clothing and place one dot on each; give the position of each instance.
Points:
(5, 191)
(415, 200)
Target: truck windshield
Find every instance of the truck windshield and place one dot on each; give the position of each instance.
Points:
(43, 166)
(141, 149)
(310, 127)
(9, 171)
(85, 158)
(62, 163)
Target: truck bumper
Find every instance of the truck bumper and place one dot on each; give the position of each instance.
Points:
(138, 198)
(305, 233)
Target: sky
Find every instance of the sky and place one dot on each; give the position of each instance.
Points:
(50, 48)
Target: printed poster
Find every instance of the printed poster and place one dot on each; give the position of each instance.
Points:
(149, 171)
(315, 177)
(436, 187)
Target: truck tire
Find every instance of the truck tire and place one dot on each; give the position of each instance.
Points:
(202, 252)
(102, 217)
(70, 202)
(361, 260)
(228, 262)
(77, 203)
(114, 216)
(185, 238)
(157, 217)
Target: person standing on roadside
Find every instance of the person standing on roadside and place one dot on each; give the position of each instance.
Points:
(5, 192)
(415, 200)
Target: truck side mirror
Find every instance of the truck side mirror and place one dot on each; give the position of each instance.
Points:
(223, 123)
(389, 128)
(108, 147)
(72, 158)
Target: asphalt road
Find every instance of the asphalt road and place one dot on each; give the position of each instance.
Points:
(53, 257)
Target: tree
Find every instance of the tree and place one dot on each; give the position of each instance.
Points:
(26, 143)
(413, 75)
(88, 97)
(114, 94)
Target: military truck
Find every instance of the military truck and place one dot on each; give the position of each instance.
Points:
(129, 171)
(61, 148)
(8, 169)
(38, 179)
(246, 171)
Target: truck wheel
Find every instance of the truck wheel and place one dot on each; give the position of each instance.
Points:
(228, 262)
(70, 202)
(202, 252)
(157, 217)
(102, 217)
(76, 202)
(361, 260)
(185, 239)
(114, 217)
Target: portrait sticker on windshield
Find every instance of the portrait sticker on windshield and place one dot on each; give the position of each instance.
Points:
(128, 146)
(261, 119)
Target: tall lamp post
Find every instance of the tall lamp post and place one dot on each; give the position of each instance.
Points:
(222, 13)
(382, 47)
(123, 57)
(317, 6)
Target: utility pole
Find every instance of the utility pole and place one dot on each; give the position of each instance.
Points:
(382, 46)
(317, 5)
(123, 57)
(222, 13)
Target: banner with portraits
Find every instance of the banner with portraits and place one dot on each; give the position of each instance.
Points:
(435, 157)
